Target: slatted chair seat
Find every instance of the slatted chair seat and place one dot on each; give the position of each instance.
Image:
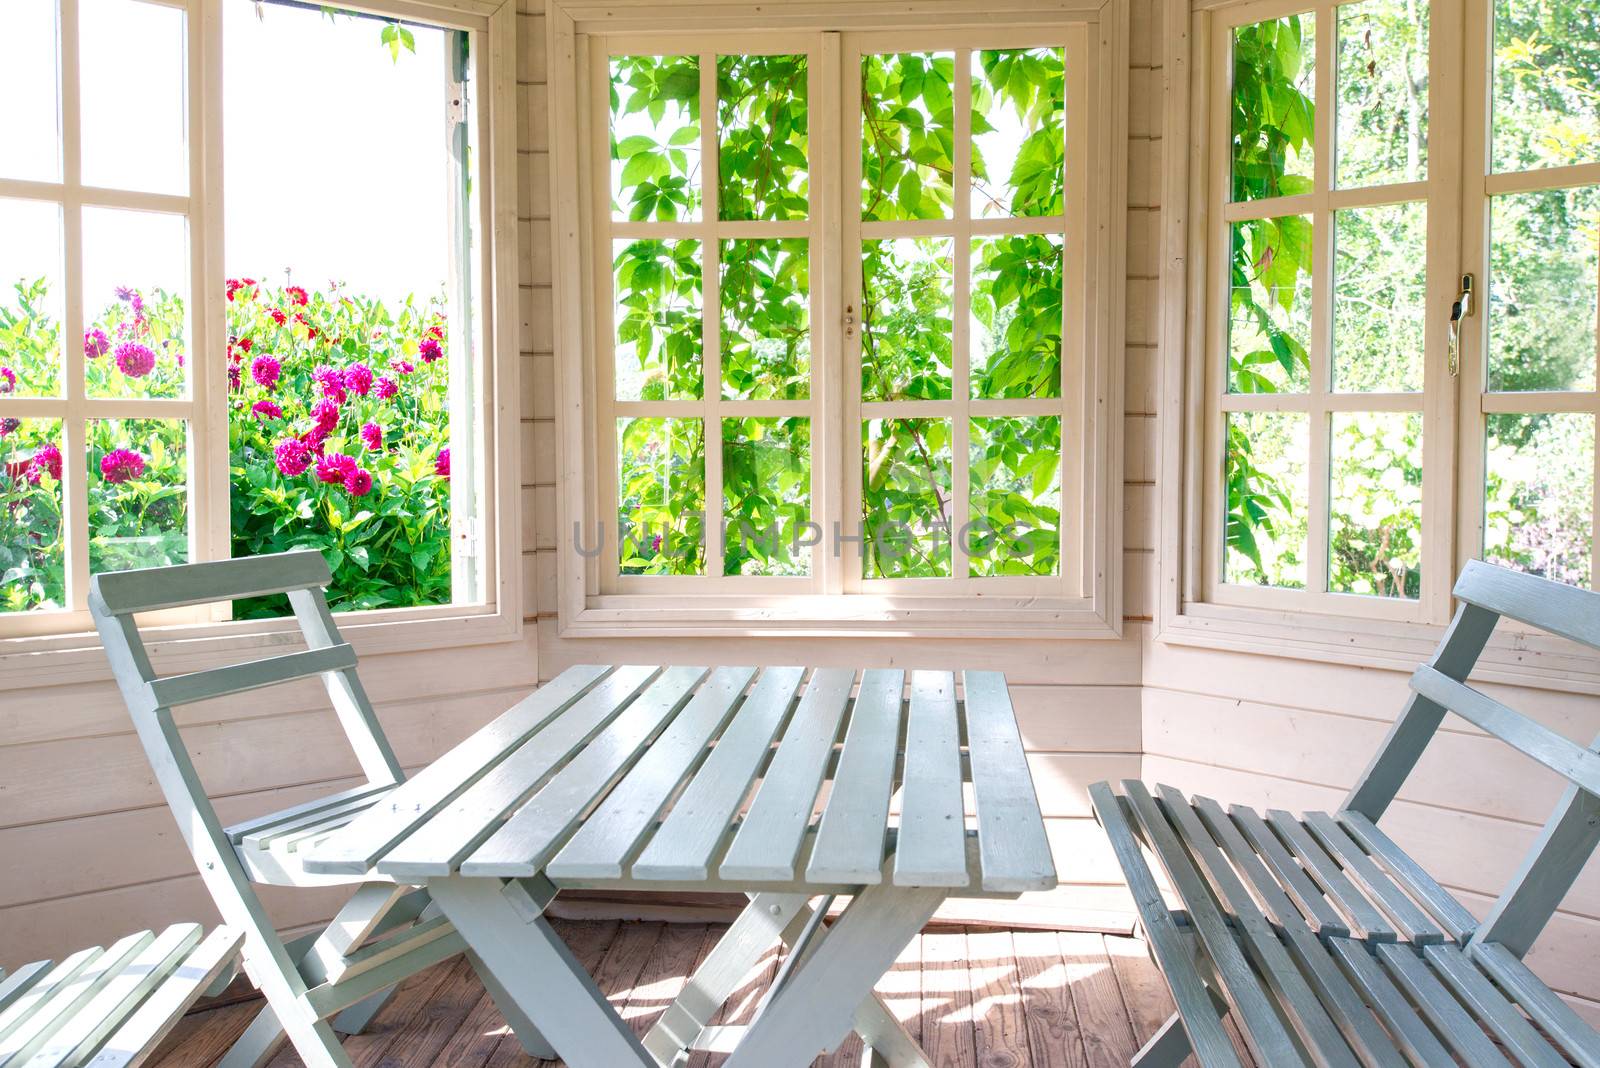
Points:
(1329, 944)
(110, 1007)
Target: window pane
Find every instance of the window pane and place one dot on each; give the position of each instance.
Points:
(28, 80)
(1546, 84)
(1539, 495)
(1375, 504)
(32, 554)
(766, 332)
(763, 172)
(1267, 499)
(766, 496)
(905, 497)
(31, 296)
(907, 135)
(1383, 92)
(138, 493)
(133, 69)
(661, 496)
(136, 293)
(1269, 326)
(344, 307)
(1274, 72)
(1015, 468)
(907, 301)
(1016, 316)
(655, 137)
(1380, 299)
(657, 289)
(1542, 289)
(1018, 145)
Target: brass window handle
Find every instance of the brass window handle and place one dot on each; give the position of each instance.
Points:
(1461, 309)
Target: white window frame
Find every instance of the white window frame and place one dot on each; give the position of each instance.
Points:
(52, 647)
(1191, 605)
(1084, 601)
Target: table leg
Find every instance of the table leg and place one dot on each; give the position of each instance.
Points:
(538, 974)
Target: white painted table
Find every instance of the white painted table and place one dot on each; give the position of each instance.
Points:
(669, 779)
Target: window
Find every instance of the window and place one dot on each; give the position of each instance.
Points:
(285, 342)
(846, 372)
(1361, 441)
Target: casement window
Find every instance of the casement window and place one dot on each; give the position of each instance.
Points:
(285, 341)
(1393, 289)
(846, 355)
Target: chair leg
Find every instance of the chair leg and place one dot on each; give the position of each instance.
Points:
(354, 1020)
(258, 1043)
(1167, 1048)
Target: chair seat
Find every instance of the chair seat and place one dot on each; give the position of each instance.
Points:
(112, 1006)
(270, 846)
(1327, 942)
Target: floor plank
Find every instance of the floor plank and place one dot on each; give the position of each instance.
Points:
(947, 1031)
(1102, 1014)
(1054, 1040)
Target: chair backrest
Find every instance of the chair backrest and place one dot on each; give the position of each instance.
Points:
(1487, 593)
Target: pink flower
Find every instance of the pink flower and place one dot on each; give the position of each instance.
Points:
(335, 467)
(95, 343)
(120, 465)
(8, 380)
(297, 295)
(372, 436)
(293, 456)
(358, 483)
(429, 350)
(236, 284)
(405, 367)
(265, 409)
(326, 414)
(245, 344)
(358, 379)
(9, 427)
(265, 370)
(386, 388)
(47, 461)
(441, 464)
(278, 316)
(331, 381)
(233, 377)
(135, 360)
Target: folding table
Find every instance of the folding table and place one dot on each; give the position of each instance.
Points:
(780, 784)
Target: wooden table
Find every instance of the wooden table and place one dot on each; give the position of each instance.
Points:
(640, 778)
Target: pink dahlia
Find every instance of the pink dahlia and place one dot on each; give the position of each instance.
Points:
(331, 381)
(326, 415)
(405, 367)
(441, 464)
(8, 380)
(135, 360)
(120, 465)
(430, 349)
(293, 456)
(47, 461)
(358, 379)
(358, 483)
(265, 370)
(265, 409)
(233, 378)
(297, 294)
(386, 388)
(372, 436)
(95, 343)
(335, 467)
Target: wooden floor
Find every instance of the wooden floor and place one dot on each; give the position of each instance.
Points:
(975, 997)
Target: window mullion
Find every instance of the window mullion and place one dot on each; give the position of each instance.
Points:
(961, 332)
(826, 78)
(1319, 428)
(711, 315)
(74, 430)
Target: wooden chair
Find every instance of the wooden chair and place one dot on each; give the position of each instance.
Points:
(1330, 945)
(387, 930)
(110, 1008)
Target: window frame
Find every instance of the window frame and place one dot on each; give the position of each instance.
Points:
(1339, 628)
(833, 600)
(59, 646)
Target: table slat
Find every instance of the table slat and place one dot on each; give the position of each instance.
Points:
(1011, 843)
(606, 841)
(354, 849)
(769, 839)
(932, 849)
(440, 843)
(850, 837)
(526, 840)
(681, 848)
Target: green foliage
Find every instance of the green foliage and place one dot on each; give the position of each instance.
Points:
(1019, 92)
(1016, 309)
(655, 137)
(1015, 468)
(766, 486)
(1273, 114)
(766, 339)
(662, 496)
(907, 135)
(658, 319)
(763, 168)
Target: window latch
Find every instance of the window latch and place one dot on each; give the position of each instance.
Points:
(849, 320)
(1461, 309)
(456, 111)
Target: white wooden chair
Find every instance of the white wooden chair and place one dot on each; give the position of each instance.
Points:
(1324, 939)
(387, 930)
(110, 1008)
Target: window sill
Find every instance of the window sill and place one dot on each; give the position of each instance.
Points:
(63, 659)
(849, 615)
(1514, 657)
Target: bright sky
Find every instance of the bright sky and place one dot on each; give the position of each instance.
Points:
(335, 163)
